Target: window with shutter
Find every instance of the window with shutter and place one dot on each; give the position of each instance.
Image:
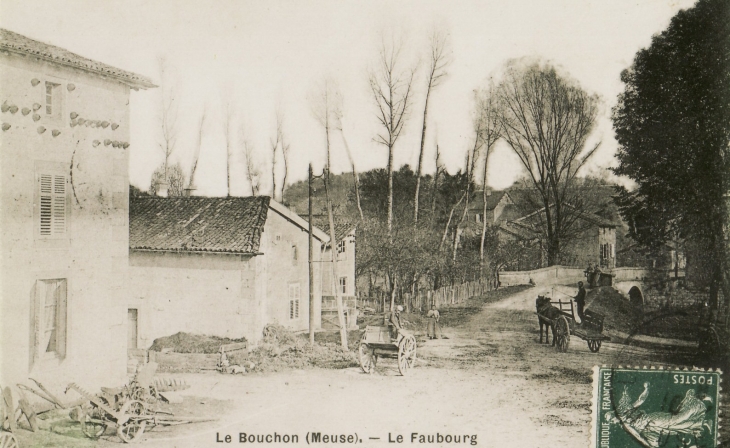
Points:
(293, 301)
(49, 319)
(52, 205)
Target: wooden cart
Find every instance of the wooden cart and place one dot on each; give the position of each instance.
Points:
(377, 342)
(590, 330)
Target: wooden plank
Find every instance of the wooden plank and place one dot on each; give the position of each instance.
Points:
(234, 347)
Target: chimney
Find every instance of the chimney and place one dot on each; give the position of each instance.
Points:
(162, 189)
(190, 191)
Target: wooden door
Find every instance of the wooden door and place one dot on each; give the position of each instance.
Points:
(131, 328)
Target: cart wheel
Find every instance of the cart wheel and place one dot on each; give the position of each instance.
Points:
(406, 354)
(594, 345)
(8, 440)
(136, 415)
(562, 334)
(367, 358)
(92, 428)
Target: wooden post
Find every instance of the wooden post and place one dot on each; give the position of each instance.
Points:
(311, 265)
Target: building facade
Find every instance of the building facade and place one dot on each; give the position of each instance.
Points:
(218, 266)
(64, 152)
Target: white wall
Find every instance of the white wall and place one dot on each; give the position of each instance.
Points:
(93, 255)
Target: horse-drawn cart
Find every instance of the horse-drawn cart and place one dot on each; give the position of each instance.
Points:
(377, 342)
(562, 320)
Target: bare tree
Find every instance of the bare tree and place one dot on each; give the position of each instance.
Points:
(491, 131)
(355, 175)
(196, 156)
(391, 88)
(253, 174)
(168, 112)
(326, 105)
(285, 157)
(175, 179)
(436, 174)
(547, 118)
(274, 144)
(438, 64)
(227, 128)
(327, 110)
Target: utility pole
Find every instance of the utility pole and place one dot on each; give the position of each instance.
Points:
(311, 265)
(333, 251)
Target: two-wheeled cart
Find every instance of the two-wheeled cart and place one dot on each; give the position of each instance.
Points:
(589, 330)
(377, 342)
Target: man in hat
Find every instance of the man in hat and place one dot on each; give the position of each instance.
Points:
(580, 301)
(396, 325)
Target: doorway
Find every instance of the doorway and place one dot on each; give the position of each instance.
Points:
(132, 329)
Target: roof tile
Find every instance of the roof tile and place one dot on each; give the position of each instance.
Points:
(229, 225)
(18, 43)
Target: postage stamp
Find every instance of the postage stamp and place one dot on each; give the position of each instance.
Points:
(655, 407)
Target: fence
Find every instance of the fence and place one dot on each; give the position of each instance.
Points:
(447, 295)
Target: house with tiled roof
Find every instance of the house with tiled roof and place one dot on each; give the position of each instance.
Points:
(64, 188)
(591, 239)
(219, 266)
(344, 280)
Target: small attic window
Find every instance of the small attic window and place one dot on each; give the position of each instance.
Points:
(53, 99)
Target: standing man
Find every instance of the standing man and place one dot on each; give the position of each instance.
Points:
(434, 331)
(580, 301)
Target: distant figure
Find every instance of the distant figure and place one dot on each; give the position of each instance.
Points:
(596, 275)
(434, 329)
(580, 301)
(589, 274)
(396, 325)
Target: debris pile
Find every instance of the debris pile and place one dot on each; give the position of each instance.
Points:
(619, 313)
(192, 343)
(281, 349)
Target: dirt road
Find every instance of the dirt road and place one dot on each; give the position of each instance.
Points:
(490, 379)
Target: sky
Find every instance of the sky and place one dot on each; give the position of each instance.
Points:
(257, 57)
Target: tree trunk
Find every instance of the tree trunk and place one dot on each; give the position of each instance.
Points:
(482, 261)
(420, 155)
(390, 189)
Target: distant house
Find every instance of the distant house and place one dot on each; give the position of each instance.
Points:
(345, 281)
(218, 266)
(64, 187)
(592, 239)
(497, 203)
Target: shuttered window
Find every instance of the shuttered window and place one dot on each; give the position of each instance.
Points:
(343, 285)
(49, 319)
(52, 205)
(294, 291)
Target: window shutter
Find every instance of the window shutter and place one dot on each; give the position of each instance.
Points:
(46, 196)
(61, 316)
(34, 326)
(59, 205)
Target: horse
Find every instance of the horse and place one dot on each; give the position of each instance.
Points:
(545, 308)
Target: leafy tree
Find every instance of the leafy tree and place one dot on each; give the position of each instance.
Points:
(672, 123)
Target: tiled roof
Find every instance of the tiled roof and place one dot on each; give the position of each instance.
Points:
(232, 224)
(342, 226)
(18, 43)
(492, 200)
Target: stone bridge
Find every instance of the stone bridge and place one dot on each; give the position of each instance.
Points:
(628, 281)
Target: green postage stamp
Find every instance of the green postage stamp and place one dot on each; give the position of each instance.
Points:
(655, 407)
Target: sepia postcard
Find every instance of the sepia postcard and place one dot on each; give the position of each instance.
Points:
(321, 223)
